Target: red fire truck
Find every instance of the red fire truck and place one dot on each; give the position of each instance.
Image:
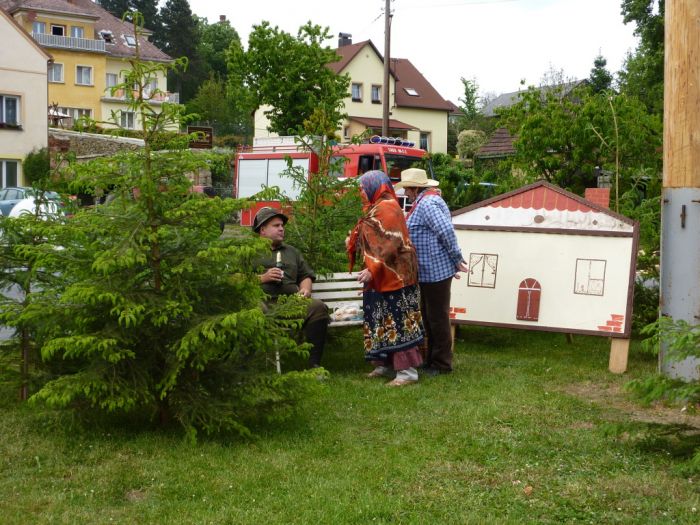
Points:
(263, 164)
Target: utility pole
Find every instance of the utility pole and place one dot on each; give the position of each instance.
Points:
(680, 221)
(385, 89)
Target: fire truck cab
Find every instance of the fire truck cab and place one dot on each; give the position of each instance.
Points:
(264, 163)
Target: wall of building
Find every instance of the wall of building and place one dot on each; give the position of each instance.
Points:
(23, 74)
(433, 122)
(68, 93)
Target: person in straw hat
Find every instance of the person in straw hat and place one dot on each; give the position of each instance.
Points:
(439, 260)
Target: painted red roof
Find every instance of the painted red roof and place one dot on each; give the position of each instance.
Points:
(541, 197)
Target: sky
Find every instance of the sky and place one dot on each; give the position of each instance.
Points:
(497, 42)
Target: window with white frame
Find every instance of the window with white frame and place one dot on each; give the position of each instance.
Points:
(130, 40)
(111, 80)
(107, 36)
(126, 119)
(77, 32)
(75, 114)
(151, 86)
(83, 75)
(411, 92)
(9, 110)
(356, 92)
(8, 172)
(38, 27)
(58, 30)
(376, 94)
(55, 72)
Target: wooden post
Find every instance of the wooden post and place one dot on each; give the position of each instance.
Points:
(680, 236)
(619, 350)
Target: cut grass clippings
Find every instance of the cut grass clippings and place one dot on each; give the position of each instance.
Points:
(512, 436)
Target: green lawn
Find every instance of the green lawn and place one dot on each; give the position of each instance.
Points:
(519, 433)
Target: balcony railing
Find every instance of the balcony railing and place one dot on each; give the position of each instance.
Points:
(157, 98)
(67, 42)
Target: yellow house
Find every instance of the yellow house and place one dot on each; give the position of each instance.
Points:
(23, 100)
(91, 49)
(417, 111)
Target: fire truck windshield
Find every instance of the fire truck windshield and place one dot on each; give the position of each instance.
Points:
(395, 164)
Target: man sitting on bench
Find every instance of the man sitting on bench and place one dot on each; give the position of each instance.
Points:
(286, 273)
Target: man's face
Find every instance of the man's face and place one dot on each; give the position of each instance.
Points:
(273, 230)
(411, 193)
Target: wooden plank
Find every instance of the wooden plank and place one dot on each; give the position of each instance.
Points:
(338, 277)
(350, 295)
(619, 350)
(345, 323)
(337, 285)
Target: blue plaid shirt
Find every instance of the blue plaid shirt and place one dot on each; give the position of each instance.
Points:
(433, 235)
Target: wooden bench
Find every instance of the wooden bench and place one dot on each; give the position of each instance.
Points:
(337, 290)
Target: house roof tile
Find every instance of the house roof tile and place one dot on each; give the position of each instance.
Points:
(377, 123)
(499, 145)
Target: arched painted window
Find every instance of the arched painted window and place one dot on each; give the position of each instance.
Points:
(529, 293)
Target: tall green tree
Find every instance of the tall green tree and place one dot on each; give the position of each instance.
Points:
(152, 313)
(600, 79)
(214, 43)
(289, 74)
(116, 7)
(213, 107)
(643, 73)
(470, 101)
(181, 35)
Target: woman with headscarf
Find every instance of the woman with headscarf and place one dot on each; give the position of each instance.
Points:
(393, 328)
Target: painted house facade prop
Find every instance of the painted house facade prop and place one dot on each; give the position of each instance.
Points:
(418, 113)
(542, 258)
(91, 49)
(23, 100)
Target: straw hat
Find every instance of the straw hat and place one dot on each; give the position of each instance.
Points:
(415, 178)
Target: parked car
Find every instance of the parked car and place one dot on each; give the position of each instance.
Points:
(9, 197)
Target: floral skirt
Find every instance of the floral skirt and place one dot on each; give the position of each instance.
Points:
(393, 322)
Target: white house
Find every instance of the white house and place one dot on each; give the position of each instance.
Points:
(23, 99)
(542, 258)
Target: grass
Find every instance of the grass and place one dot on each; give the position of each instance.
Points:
(519, 433)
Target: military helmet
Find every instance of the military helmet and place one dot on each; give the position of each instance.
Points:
(265, 214)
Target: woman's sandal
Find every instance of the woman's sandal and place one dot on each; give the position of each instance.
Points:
(375, 373)
(401, 382)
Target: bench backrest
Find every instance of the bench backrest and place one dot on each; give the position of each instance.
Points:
(338, 289)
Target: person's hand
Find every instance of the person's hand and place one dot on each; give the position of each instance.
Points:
(347, 240)
(461, 267)
(304, 292)
(273, 275)
(364, 276)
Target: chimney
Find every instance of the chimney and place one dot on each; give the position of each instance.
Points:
(344, 39)
(222, 18)
(599, 196)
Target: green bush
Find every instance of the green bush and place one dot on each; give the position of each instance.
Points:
(36, 166)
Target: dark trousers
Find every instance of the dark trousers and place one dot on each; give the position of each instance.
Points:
(435, 309)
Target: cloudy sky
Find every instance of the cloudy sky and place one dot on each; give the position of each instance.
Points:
(498, 42)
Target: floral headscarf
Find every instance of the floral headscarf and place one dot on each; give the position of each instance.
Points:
(382, 237)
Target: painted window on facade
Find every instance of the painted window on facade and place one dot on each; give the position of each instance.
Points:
(126, 119)
(424, 140)
(590, 277)
(529, 294)
(38, 27)
(77, 32)
(482, 270)
(111, 80)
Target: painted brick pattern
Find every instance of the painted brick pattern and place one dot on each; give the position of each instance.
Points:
(614, 324)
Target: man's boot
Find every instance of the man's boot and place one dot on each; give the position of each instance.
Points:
(315, 333)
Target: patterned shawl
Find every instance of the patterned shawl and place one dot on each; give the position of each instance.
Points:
(382, 236)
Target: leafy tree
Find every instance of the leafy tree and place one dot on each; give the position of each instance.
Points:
(181, 39)
(152, 311)
(470, 102)
(289, 74)
(116, 7)
(36, 165)
(214, 108)
(600, 79)
(214, 44)
(563, 136)
(469, 141)
(643, 73)
(147, 8)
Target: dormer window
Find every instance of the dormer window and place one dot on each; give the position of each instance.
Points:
(107, 36)
(130, 40)
(410, 91)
